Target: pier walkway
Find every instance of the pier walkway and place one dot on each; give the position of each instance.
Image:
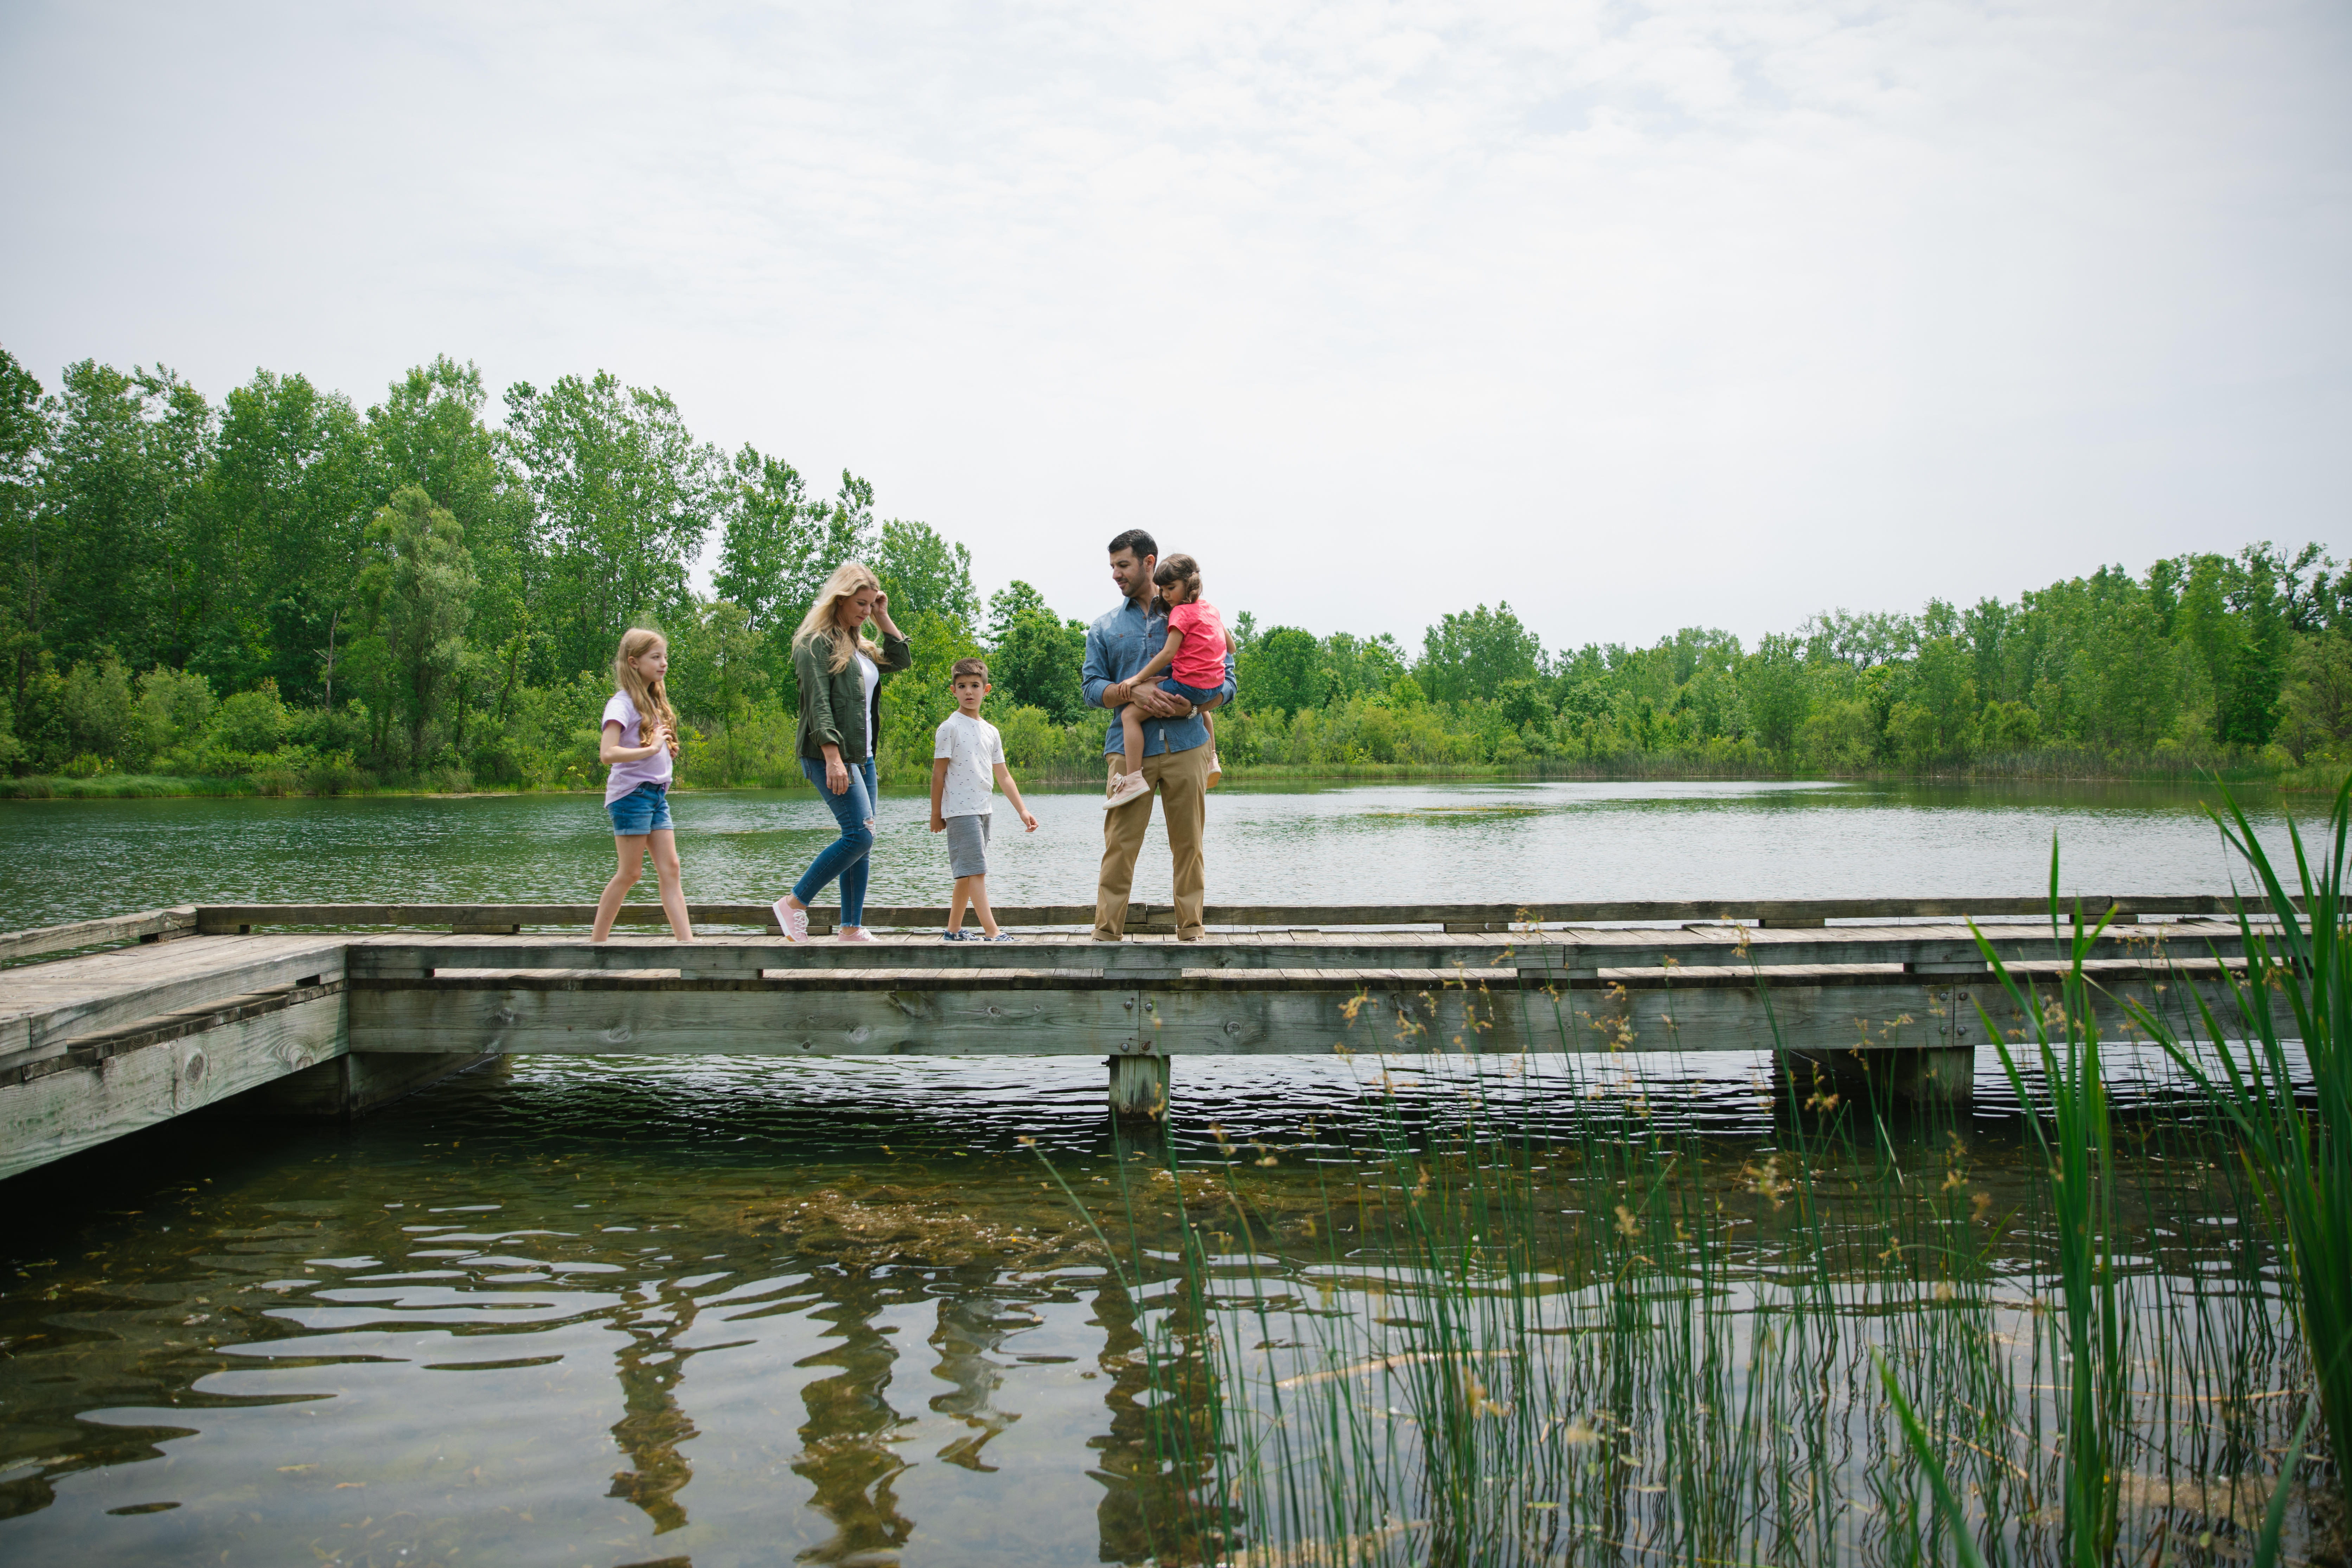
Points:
(106, 1026)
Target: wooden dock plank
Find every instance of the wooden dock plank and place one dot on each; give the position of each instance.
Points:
(1501, 919)
(45, 1003)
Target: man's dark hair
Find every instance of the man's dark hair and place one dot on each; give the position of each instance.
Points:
(969, 667)
(1137, 540)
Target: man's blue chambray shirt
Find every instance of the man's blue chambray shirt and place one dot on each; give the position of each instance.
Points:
(1119, 644)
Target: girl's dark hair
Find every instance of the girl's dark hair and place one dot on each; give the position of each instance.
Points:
(1179, 568)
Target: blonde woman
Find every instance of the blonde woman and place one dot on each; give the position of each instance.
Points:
(840, 670)
(640, 737)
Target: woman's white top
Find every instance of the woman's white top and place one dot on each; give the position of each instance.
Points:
(872, 678)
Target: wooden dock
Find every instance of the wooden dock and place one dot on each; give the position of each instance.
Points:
(106, 1026)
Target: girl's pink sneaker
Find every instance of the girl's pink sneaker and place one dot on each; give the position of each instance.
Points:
(855, 933)
(791, 922)
(1130, 785)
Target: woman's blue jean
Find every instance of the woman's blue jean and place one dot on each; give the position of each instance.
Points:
(845, 857)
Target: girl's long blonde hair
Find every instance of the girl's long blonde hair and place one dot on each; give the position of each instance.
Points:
(824, 617)
(652, 700)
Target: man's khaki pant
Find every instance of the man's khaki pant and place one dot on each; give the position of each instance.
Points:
(1182, 782)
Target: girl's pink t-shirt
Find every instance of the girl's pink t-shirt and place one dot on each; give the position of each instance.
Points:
(1202, 660)
(628, 776)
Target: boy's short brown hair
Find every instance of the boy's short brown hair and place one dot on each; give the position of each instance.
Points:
(969, 667)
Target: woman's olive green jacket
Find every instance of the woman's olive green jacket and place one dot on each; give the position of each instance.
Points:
(833, 712)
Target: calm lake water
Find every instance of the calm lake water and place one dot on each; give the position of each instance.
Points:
(729, 1310)
(1378, 844)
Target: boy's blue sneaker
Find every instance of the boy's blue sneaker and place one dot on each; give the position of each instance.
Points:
(1001, 936)
(953, 936)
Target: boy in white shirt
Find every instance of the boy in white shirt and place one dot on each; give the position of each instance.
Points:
(967, 760)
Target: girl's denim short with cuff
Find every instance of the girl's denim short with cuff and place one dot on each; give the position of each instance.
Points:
(644, 809)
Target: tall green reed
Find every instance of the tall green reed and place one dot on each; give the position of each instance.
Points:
(2299, 1158)
(1575, 1331)
(2075, 1142)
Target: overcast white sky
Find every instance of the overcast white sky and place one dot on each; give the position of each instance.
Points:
(1635, 316)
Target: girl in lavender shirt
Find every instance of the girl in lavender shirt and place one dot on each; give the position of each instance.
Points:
(640, 737)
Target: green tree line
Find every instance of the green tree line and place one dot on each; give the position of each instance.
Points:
(283, 589)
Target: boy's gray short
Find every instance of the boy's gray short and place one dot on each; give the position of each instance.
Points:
(967, 846)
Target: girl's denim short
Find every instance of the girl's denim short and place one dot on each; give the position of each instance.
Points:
(1195, 695)
(644, 809)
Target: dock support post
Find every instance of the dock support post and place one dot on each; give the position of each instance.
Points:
(1139, 1088)
(349, 1087)
(1920, 1075)
(1934, 1075)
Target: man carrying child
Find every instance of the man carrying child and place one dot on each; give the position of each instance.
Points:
(967, 762)
(1175, 753)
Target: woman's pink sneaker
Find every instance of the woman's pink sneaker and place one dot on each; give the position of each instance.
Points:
(793, 922)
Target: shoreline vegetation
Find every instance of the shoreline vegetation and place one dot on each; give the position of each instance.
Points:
(2324, 778)
(279, 593)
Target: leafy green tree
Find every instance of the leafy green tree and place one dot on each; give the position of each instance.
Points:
(290, 488)
(1774, 685)
(252, 723)
(102, 714)
(429, 432)
(175, 706)
(417, 589)
(769, 544)
(1283, 672)
(2009, 727)
(1470, 654)
(923, 571)
(1524, 703)
(1035, 658)
(117, 524)
(24, 439)
(717, 676)
(1353, 667)
(2123, 683)
(2315, 711)
(623, 495)
(1942, 724)
(1840, 734)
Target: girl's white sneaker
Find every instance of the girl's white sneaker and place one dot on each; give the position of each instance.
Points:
(855, 933)
(793, 922)
(1130, 785)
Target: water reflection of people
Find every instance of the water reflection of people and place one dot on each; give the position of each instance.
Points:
(846, 1451)
(1159, 1451)
(652, 1427)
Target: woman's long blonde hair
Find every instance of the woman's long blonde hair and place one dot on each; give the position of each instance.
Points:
(824, 617)
(652, 700)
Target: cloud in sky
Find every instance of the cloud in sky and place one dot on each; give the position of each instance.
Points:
(1638, 316)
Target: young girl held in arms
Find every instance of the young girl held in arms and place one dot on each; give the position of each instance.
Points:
(1194, 658)
(640, 737)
